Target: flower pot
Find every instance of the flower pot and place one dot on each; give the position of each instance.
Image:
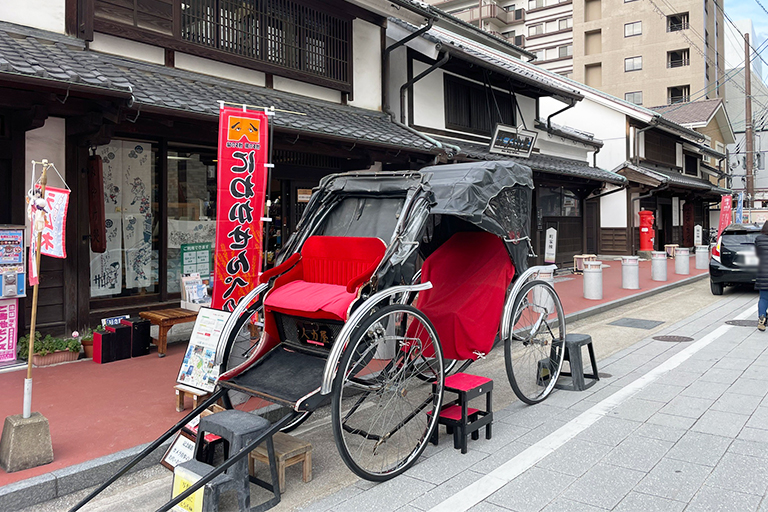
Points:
(54, 358)
(87, 347)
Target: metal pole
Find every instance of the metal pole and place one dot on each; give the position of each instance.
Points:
(27, 408)
(748, 124)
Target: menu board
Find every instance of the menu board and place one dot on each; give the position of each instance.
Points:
(198, 369)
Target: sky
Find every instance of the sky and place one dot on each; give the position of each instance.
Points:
(749, 9)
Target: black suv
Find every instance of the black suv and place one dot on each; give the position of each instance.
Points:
(734, 260)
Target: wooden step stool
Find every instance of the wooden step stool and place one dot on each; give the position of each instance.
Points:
(461, 419)
(289, 450)
(198, 395)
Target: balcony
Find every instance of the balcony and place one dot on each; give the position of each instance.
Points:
(676, 27)
(678, 63)
(678, 99)
(519, 41)
(492, 11)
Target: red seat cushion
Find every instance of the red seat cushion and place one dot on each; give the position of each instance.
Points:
(312, 300)
(470, 274)
(464, 381)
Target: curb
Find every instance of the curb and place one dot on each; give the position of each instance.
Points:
(601, 308)
(61, 482)
(58, 483)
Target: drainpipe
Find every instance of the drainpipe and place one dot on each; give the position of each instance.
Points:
(549, 117)
(407, 85)
(594, 156)
(385, 60)
(632, 212)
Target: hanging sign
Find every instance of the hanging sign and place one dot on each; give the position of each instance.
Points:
(725, 213)
(53, 238)
(512, 141)
(242, 185)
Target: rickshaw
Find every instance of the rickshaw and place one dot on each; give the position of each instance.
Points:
(391, 281)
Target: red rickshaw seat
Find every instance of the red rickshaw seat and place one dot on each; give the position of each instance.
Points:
(470, 274)
(327, 277)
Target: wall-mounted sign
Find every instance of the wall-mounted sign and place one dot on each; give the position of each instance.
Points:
(512, 141)
(303, 195)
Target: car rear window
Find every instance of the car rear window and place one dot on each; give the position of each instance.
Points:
(737, 238)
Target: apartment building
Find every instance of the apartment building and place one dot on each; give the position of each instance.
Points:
(542, 27)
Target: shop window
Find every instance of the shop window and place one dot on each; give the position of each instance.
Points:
(469, 107)
(558, 202)
(191, 212)
(130, 264)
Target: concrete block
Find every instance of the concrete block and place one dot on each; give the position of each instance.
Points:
(26, 442)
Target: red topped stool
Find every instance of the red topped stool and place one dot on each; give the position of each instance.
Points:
(458, 417)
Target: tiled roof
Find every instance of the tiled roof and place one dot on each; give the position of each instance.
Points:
(664, 175)
(510, 66)
(693, 112)
(570, 133)
(51, 57)
(542, 163)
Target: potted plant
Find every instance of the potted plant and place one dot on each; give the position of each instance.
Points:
(86, 338)
(48, 350)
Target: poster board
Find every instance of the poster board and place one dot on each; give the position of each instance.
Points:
(198, 368)
(196, 259)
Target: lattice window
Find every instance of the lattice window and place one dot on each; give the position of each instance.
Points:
(279, 32)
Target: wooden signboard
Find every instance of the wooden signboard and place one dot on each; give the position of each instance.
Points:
(181, 450)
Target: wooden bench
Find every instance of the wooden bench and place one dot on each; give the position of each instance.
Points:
(196, 394)
(165, 319)
(289, 450)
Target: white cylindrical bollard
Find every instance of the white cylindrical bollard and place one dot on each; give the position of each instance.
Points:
(593, 280)
(540, 297)
(682, 261)
(630, 272)
(659, 266)
(702, 256)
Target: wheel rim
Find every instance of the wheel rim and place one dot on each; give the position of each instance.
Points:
(243, 340)
(535, 349)
(386, 408)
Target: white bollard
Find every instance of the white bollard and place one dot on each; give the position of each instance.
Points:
(630, 272)
(659, 266)
(682, 261)
(540, 297)
(702, 257)
(593, 280)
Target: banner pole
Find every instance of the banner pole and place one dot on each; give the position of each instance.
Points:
(27, 411)
(271, 127)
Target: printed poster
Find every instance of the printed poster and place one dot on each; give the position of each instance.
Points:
(182, 232)
(8, 329)
(107, 268)
(198, 369)
(112, 160)
(137, 213)
(196, 259)
(242, 184)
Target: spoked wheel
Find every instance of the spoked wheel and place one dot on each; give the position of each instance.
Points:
(383, 410)
(535, 348)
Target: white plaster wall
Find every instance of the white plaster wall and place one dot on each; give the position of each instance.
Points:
(555, 146)
(428, 98)
(42, 14)
(528, 109)
(126, 48)
(397, 76)
(49, 142)
(366, 45)
(605, 123)
(613, 209)
(219, 69)
(313, 91)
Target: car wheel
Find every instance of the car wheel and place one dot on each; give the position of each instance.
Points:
(717, 288)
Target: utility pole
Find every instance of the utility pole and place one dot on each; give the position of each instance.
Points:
(750, 158)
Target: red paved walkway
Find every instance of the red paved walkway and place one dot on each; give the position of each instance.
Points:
(95, 410)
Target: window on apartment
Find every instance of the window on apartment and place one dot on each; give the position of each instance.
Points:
(565, 24)
(535, 30)
(635, 97)
(678, 94)
(469, 107)
(538, 54)
(509, 8)
(691, 165)
(678, 58)
(535, 4)
(676, 22)
(281, 33)
(633, 29)
(633, 64)
(565, 51)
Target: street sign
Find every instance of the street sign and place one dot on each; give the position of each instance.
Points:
(512, 141)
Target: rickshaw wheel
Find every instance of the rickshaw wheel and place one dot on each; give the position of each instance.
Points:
(383, 411)
(535, 348)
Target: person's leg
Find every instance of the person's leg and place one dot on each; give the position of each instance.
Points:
(762, 303)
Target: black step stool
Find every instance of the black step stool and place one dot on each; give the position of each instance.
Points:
(238, 429)
(458, 417)
(193, 470)
(573, 345)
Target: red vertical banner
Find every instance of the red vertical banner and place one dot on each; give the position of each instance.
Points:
(725, 213)
(242, 185)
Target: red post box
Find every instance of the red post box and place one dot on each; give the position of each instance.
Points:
(647, 233)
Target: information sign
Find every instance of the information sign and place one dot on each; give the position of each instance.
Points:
(512, 141)
(196, 259)
(550, 250)
(198, 369)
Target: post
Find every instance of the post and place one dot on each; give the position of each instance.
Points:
(748, 135)
(27, 411)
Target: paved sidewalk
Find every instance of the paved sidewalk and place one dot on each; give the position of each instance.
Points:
(677, 426)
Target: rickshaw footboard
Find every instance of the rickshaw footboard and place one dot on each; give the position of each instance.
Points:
(282, 376)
